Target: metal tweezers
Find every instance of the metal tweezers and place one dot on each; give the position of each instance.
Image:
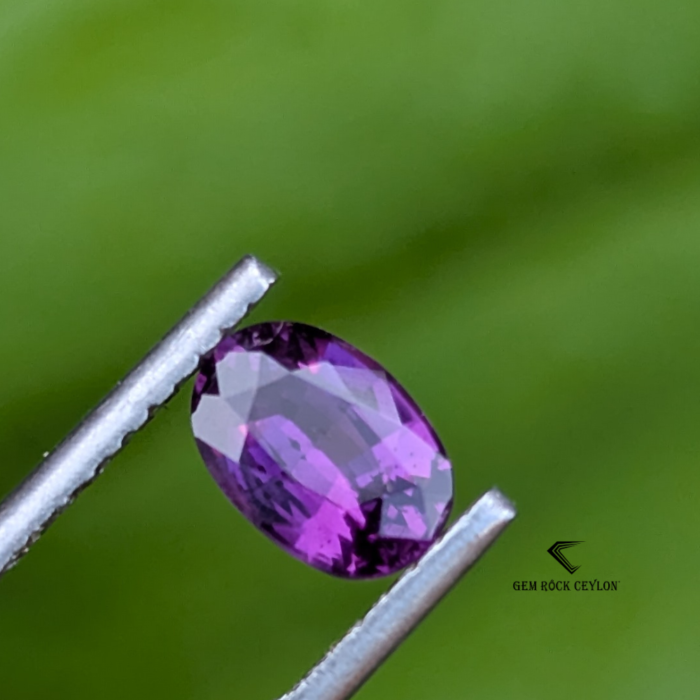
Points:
(76, 462)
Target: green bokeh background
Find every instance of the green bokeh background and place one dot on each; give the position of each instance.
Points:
(500, 201)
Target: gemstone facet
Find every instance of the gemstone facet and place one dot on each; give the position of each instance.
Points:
(321, 449)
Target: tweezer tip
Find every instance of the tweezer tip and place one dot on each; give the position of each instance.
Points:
(263, 271)
(498, 501)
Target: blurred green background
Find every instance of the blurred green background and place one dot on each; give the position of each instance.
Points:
(500, 201)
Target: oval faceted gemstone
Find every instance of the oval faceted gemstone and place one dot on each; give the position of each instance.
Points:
(321, 449)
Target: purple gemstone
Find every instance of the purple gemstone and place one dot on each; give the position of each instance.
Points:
(321, 449)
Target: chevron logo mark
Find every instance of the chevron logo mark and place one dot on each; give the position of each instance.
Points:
(556, 551)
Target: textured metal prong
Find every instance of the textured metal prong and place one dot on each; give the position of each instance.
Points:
(365, 647)
(76, 462)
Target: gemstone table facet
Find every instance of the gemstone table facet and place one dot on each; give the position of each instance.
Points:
(321, 449)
